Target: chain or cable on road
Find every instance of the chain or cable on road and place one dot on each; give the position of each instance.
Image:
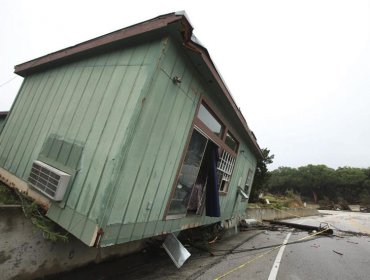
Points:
(264, 254)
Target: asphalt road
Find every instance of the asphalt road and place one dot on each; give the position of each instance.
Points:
(258, 254)
(346, 255)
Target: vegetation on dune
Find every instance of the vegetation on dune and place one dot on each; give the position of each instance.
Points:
(317, 183)
(277, 201)
(321, 184)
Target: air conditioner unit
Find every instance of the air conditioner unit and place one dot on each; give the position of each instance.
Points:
(50, 181)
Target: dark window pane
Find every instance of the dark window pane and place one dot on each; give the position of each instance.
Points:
(188, 174)
(209, 120)
(224, 186)
(231, 142)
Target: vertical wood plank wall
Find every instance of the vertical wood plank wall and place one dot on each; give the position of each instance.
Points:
(133, 122)
(151, 164)
(2, 123)
(89, 102)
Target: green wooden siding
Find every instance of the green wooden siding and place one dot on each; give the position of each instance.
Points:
(90, 103)
(2, 123)
(119, 124)
(151, 164)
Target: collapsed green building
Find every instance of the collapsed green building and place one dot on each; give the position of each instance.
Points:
(129, 135)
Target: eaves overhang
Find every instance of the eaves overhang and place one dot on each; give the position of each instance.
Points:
(250, 135)
(192, 43)
(95, 45)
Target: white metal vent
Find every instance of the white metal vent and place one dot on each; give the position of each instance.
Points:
(50, 181)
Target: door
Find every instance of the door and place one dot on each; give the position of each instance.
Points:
(188, 175)
(197, 185)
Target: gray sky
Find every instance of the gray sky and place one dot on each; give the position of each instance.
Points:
(299, 70)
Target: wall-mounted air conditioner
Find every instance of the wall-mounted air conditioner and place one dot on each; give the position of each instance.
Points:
(50, 181)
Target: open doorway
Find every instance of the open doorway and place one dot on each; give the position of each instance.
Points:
(197, 184)
(197, 197)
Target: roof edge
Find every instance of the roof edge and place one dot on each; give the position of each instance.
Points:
(156, 23)
(194, 45)
(26, 68)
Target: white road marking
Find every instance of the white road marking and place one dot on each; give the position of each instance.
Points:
(275, 267)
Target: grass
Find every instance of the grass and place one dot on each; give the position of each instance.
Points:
(289, 200)
(32, 211)
(8, 196)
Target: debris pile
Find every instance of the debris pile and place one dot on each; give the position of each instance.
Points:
(326, 204)
(323, 228)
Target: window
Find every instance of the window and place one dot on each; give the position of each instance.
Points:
(210, 121)
(248, 183)
(188, 174)
(196, 181)
(225, 168)
(197, 172)
(224, 186)
(231, 142)
(210, 124)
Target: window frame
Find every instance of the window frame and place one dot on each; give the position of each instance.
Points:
(226, 163)
(210, 111)
(249, 181)
(234, 139)
(220, 141)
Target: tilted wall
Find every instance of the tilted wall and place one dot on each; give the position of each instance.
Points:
(2, 123)
(79, 117)
(120, 125)
(138, 206)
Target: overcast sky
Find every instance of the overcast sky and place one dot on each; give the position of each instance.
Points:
(299, 70)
